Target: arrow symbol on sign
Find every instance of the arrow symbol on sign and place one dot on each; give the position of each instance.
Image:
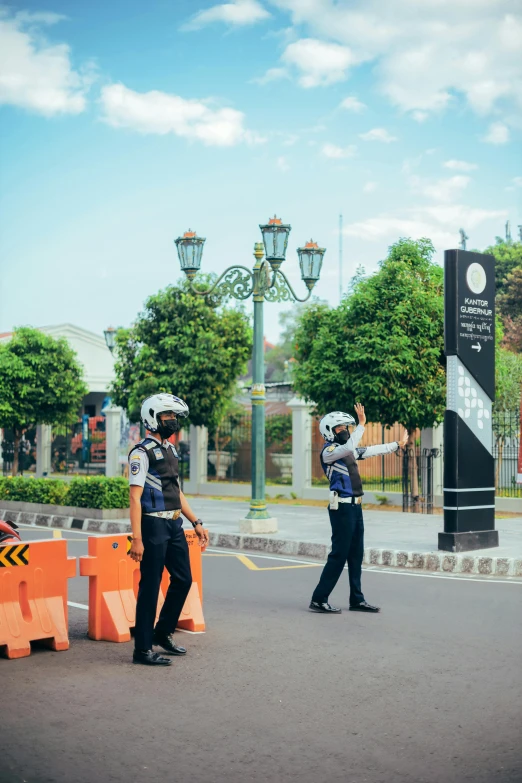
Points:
(477, 347)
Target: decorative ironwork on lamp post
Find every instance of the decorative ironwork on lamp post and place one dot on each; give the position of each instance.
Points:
(266, 281)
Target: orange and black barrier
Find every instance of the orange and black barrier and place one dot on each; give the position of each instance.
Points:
(113, 587)
(33, 595)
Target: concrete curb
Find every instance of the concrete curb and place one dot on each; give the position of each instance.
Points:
(442, 562)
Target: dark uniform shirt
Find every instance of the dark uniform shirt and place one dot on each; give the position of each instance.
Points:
(339, 463)
(154, 466)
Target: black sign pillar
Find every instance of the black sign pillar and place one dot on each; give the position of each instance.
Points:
(469, 343)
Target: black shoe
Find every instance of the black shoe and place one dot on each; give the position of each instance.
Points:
(166, 641)
(149, 658)
(324, 608)
(364, 606)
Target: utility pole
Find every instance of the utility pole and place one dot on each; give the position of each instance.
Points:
(463, 239)
(340, 257)
(508, 231)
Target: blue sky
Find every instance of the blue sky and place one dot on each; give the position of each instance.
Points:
(122, 124)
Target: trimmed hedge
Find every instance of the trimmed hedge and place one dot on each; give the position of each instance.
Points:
(99, 492)
(83, 492)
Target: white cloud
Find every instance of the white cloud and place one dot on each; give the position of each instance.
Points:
(282, 164)
(337, 153)
(237, 13)
(427, 56)
(272, 75)
(498, 133)
(35, 74)
(420, 116)
(442, 190)
(162, 113)
(352, 104)
(440, 223)
(317, 62)
(378, 134)
(460, 165)
(369, 187)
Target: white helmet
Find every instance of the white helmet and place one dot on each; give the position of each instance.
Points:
(160, 403)
(331, 420)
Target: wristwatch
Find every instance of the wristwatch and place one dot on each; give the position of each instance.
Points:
(197, 522)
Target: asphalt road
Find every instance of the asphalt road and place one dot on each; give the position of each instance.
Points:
(426, 692)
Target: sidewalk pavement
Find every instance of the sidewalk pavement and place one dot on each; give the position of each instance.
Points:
(392, 539)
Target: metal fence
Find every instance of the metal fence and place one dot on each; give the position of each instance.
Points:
(506, 445)
(229, 450)
(79, 449)
(26, 452)
(417, 479)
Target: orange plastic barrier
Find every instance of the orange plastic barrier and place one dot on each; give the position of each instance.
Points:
(191, 618)
(33, 595)
(113, 587)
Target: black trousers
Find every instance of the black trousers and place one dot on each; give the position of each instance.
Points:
(347, 547)
(164, 545)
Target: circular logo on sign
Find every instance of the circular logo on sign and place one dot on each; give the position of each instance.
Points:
(476, 278)
(115, 545)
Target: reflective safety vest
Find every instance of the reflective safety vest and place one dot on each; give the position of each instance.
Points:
(343, 474)
(161, 491)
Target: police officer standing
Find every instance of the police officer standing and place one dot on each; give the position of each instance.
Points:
(158, 540)
(339, 462)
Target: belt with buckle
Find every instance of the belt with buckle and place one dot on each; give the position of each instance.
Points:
(165, 514)
(353, 500)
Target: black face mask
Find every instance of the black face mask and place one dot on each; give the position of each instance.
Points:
(342, 437)
(168, 428)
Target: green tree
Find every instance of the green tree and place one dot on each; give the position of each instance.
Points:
(189, 345)
(41, 382)
(508, 255)
(383, 345)
(510, 300)
(510, 306)
(277, 358)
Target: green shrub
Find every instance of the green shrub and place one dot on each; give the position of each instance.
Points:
(84, 491)
(99, 492)
(33, 490)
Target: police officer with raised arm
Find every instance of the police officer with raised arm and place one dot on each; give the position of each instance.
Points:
(339, 462)
(158, 540)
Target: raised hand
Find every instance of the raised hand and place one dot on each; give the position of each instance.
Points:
(359, 409)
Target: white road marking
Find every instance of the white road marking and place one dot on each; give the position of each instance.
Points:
(77, 606)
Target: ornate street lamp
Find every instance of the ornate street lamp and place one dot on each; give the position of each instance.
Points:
(190, 250)
(310, 261)
(275, 239)
(267, 282)
(110, 338)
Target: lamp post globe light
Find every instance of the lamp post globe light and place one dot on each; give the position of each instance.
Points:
(264, 282)
(110, 337)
